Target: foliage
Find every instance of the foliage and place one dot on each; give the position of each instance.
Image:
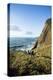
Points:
(22, 63)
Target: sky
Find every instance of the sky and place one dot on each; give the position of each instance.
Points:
(28, 20)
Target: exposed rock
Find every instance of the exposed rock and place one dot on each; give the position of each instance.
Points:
(45, 37)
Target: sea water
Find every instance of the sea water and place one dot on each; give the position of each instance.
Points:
(21, 43)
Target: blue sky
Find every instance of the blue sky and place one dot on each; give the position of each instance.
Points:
(28, 20)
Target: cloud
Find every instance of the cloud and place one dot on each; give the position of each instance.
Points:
(15, 28)
(29, 33)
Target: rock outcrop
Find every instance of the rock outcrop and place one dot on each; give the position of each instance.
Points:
(45, 37)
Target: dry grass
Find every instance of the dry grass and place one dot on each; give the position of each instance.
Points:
(22, 63)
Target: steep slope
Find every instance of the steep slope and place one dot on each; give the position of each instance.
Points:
(45, 37)
(42, 49)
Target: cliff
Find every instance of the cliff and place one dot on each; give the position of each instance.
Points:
(45, 36)
(42, 49)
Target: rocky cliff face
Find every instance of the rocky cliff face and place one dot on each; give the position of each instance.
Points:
(42, 49)
(45, 37)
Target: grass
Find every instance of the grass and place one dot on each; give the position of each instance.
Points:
(22, 63)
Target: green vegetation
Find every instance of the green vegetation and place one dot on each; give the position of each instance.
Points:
(22, 63)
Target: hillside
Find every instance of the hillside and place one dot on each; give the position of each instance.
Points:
(21, 63)
(42, 48)
(45, 37)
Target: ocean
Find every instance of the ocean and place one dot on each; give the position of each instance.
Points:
(21, 43)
